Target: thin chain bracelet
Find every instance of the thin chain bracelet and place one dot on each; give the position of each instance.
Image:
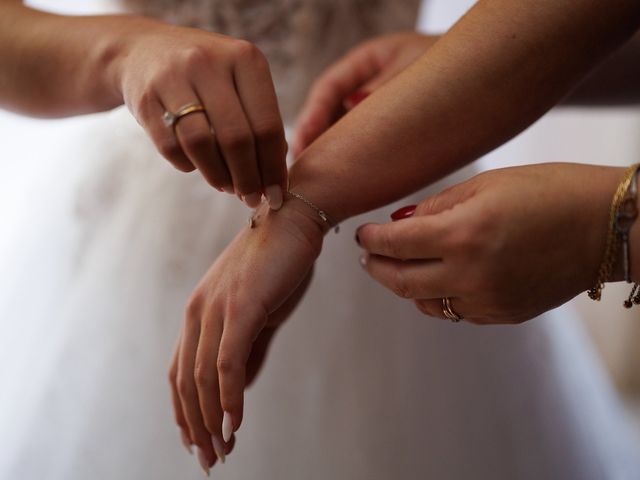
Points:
(608, 262)
(321, 213)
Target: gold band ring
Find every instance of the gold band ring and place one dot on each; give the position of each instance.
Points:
(449, 312)
(172, 119)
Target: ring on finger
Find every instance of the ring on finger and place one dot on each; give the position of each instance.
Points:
(171, 119)
(449, 312)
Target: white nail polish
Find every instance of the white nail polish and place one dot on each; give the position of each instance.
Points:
(253, 200)
(274, 196)
(219, 448)
(204, 463)
(227, 427)
(186, 441)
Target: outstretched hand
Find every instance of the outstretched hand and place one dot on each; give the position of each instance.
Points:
(232, 315)
(505, 246)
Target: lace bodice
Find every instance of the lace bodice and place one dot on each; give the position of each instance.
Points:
(299, 37)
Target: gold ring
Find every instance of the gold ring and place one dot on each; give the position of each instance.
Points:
(449, 312)
(172, 119)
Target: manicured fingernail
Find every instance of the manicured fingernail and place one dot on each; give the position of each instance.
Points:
(404, 212)
(253, 200)
(219, 448)
(204, 463)
(354, 99)
(227, 427)
(274, 196)
(363, 260)
(186, 441)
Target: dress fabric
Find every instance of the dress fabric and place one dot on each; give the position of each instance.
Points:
(358, 384)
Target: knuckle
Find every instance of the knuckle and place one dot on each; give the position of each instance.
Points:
(197, 140)
(389, 244)
(401, 286)
(246, 50)
(227, 366)
(235, 140)
(270, 131)
(193, 310)
(203, 377)
(173, 377)
(169, 148)
(196, 55)
(184, 386)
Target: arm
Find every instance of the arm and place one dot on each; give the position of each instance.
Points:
(468, 94)
(54, 65)
(505, 246)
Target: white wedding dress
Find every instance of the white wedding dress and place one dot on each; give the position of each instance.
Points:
(357, 385)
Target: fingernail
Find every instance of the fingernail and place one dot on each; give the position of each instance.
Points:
(274, 196)
(355, 98)
(253, 200)
(219, 448)
(363, 260)
(227, 427)
(404, 212)
(204, 463)
(186, 441)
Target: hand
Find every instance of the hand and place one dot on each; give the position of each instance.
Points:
(234, 311)
(360, 72)
(238, 143)
(504, 246)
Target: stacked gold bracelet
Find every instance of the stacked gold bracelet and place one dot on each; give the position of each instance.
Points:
(622, 214)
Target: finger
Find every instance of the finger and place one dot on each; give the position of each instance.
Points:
(324, 104)
(206, 375)
(181, 421)
(410, 279)
(188, 392)
(258, 98)
(240, 332)
(412, 238)
(163, 137)
(232, 131)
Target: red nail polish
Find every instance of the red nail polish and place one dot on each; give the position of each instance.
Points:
(404, 212)
(355, 98)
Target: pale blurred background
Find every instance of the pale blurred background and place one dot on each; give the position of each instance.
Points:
(599, 136)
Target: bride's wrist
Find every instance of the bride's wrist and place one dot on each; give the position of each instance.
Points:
(297, 218)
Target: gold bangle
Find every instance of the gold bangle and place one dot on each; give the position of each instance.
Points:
(609, 259)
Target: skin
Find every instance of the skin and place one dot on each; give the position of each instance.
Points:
(468, 94)
(56, 66)
(498, 245)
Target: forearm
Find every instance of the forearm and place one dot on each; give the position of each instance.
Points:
(615, 82)
(52, 65)
(470, 93)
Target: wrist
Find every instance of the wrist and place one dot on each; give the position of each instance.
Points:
(297, 219)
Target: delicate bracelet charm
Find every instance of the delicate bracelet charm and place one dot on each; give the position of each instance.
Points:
(623, 213)
(321, 213)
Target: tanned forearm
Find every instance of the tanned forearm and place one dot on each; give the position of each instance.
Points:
(470, 93)
(54, 66)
